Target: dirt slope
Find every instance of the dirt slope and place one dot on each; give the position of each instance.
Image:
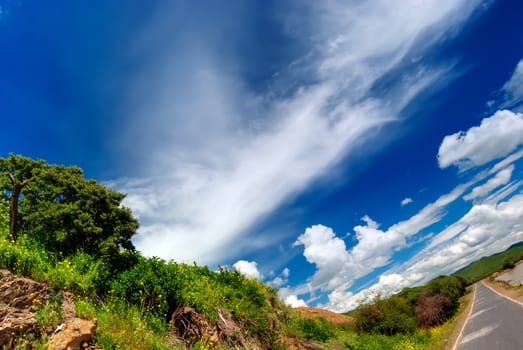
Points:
(329, 316)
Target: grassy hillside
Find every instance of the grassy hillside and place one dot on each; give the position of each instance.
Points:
(486, 266)
(73, 235)
(154, 304)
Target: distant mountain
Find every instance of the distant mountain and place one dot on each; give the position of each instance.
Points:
(488, 265)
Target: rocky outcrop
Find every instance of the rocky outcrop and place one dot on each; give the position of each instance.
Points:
(74, 334)
(19, 299)
(192, 327)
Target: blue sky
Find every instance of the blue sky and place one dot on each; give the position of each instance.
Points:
(336, 150)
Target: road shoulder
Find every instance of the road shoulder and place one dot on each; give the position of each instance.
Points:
(461, 319)
(514, 293)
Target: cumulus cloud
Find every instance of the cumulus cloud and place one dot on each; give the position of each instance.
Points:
(484, 230)
(338, 267)
(374, 247)
(326, 251)
(216, 157)
(501, 178)
(247, 268)
(406, 201)
(496, 137)
(294, 301)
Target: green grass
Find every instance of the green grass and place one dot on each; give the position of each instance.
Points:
(133, 306)
(123, 326)
(419, 340)
(488, 265)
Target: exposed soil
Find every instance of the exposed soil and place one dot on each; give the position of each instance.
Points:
(329, 316)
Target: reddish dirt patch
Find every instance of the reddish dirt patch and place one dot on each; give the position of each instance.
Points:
(329, 316)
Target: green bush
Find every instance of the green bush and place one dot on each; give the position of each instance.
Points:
(316, 329)
(160, 287)
(386, 316)
(81, 273)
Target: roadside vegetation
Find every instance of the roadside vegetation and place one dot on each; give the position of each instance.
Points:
(75, 235)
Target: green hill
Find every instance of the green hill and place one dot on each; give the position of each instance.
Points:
(486, 266)
(71, 239)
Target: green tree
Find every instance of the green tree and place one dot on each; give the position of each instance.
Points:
(18, 172)
(65, 212)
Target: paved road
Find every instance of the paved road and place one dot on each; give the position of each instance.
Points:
(495, 323)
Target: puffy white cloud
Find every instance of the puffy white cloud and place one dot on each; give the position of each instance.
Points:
(294, 301)
(406, 201)
(216, 157)
(337, 267)
(487, 227)
(374, 246)
(247, 268)
(501, 178)
(326, 251)
(343, 300)
(485, 230)
(496, 137)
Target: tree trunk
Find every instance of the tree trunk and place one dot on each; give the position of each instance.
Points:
(13, 212)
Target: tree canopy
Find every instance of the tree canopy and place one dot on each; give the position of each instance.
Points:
(64, 211)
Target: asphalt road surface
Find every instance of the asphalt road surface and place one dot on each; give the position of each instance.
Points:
(494, 323)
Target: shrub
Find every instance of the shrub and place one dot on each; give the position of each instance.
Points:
(151, 284)
(80, 273)
(316, 329)
(451, 286)
(387, 317)
(433, 310)
(508, 265)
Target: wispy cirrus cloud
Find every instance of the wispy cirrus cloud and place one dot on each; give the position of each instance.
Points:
(513, 89)
(501, 178)
(217, 157)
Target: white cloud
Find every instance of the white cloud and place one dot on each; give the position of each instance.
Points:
(215, 157)
(485, 230)
(293, 301)
(282, 279)
(513, 88)
(406, 201)
(501, 178)
(326, 251)
(496, 137)
(247, 268)
(375, 247)
(278, 281)
(337, 267)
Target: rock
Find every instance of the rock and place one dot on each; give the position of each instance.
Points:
(75, 334)
(19, 298)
